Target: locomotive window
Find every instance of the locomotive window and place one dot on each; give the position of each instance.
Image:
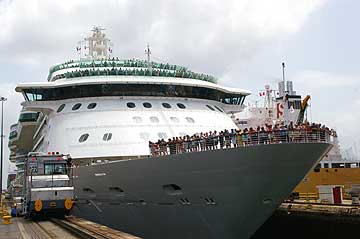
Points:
(59, 168)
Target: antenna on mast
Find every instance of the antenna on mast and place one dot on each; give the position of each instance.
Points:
(148, 53)
(97, 45)
(268, 101)
(283, 73)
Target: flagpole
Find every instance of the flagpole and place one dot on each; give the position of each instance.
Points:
(2, 99)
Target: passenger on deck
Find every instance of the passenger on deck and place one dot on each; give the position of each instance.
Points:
(268, 134)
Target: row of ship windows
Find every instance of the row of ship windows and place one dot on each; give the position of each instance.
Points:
(154, 119)
(143, 135)
(133, 105)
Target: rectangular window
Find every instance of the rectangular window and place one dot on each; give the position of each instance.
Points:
(81, 91)
(59, 168)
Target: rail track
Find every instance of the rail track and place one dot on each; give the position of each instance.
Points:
(68, 228)
(89, 230)
(42, 230)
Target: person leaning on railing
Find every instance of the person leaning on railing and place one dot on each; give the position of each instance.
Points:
(269, 134)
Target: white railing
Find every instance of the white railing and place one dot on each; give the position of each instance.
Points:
(234, 140)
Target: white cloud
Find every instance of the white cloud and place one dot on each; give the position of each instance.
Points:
(210, 31)
(357, 102)
(335, 101)
(319, 80)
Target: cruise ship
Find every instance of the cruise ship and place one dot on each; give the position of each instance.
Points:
(103, 111)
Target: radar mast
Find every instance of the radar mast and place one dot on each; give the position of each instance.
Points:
(98, 46)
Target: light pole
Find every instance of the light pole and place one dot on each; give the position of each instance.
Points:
(2, 99)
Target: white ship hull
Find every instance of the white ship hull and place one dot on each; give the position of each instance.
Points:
(221, 194)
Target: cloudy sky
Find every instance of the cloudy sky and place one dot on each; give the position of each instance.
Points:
(242, 42)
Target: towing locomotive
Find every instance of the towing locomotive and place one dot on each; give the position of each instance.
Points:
(47, 185)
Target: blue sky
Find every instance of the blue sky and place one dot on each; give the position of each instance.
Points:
(241, 42)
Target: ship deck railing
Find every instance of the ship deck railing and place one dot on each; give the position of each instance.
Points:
(235, 140)
(125, 68)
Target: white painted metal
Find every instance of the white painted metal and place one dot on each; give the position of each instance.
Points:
(131, 128)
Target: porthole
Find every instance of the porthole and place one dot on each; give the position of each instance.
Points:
(172, 189)
(211, 108)
(174, 119)
(107, 136)
(83, 138)
(91, 106)
(147, 105)
(218, 108)
(137, 119)
(116, 189)
(166, 105)
(61, 107)
(154, 119)
(76, 106)
(88, 190)
(162, 135)
(181, 106)
(190, 120)
(130, 105)
(144, 135)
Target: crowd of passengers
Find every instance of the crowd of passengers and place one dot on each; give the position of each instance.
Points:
(135, 72)
(267, 134)
(159, 69)
(115, 62)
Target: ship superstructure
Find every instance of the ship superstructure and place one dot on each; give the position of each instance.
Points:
(119, 105)
(103, 111)
(280, 106)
